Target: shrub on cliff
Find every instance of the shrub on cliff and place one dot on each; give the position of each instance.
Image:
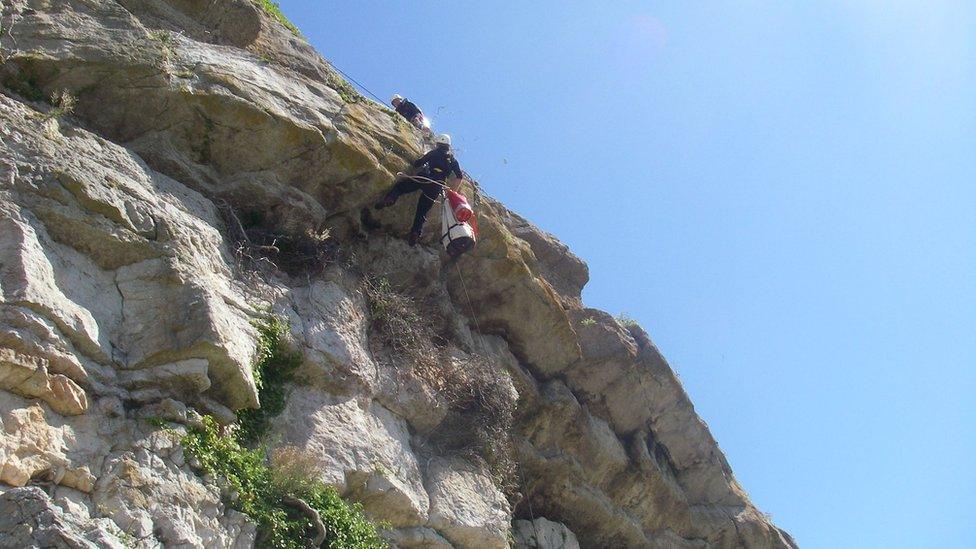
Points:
(267, 494)
(279, 492)
(480, 407)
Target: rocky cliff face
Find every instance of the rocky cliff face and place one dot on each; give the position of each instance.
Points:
(214, 172)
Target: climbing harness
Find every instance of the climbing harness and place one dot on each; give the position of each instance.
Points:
(423, 124)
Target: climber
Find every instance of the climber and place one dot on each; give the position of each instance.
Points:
(434, 168)
(408, 110)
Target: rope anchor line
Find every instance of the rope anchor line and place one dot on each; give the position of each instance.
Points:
(484, 350)
(356, 82)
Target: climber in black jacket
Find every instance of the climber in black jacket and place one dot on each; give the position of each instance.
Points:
(408, 110)
(436, 165)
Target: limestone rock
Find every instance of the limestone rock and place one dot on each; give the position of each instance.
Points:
(31, 448)
(333, 323)
(28, 376)
(554, 261)
(362, 449)
(543, 533)
(146, 494)
(417, 538)
(178, 305)
(465, 505)
(31, 519)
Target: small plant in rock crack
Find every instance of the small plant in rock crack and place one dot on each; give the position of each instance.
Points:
(63, 103)
(588, 321)
(626, 321)
(398, 324)
(345, 90)
(165, 39)
(274, 367)
(480, 419)
(274, 10)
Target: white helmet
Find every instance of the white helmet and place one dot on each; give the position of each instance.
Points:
(443, 139)
(395, 97)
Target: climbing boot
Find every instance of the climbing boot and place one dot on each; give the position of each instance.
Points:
(412, 238)
(385, 203)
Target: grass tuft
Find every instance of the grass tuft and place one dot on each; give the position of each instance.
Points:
(274, 10)
(260, 491)
(345, 89)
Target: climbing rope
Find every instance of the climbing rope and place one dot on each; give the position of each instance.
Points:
(356, 82)
(484, 350)
(441, 184)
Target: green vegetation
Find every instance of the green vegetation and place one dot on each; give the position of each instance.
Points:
(165, 40)
(397, 119)
(345, 89)
(626, 321)
(157, 422)
(126, 539)
(162, 36)
(588, 321)
(274, 10)
(63, 103)
(262, 492)
(275, 366)
(275, 491)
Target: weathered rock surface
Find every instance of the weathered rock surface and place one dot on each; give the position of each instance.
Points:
(30, 518)
(122, 298)
(466, 506)
(542, 533)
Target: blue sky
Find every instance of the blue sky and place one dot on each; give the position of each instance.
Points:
(782, 193)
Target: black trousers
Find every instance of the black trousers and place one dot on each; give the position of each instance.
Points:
(428, 195)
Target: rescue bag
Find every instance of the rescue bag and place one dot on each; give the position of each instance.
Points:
(456, 236)
(459, 205)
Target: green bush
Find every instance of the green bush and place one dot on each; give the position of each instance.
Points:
(273, 9)
(274, 367)
(258, 490)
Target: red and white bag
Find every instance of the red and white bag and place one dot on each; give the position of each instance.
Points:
(456, 235)
(459, 206)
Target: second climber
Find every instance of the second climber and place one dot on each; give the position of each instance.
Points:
(433, 169)
(408, 110)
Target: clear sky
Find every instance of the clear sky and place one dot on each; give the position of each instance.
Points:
(782, 193)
